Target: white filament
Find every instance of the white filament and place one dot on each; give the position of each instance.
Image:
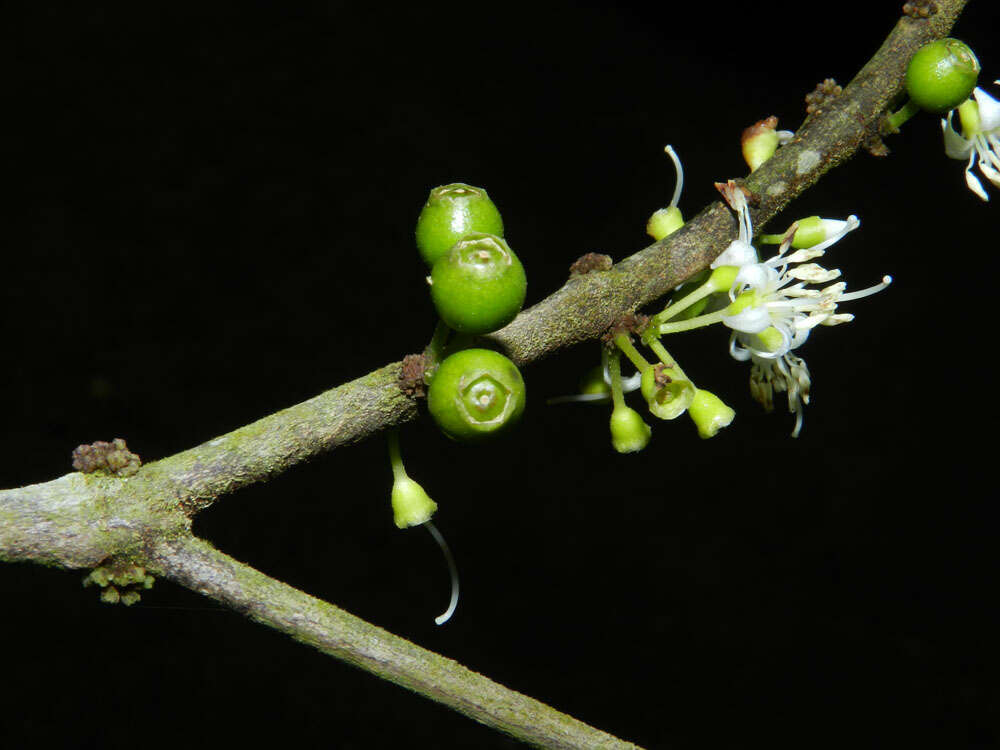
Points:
(679, 184)
(886, 280)
(452, 569)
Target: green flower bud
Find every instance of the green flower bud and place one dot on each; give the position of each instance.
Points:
(759, 142)
(941, 75)
(723, 278)
(810, 232)
(746, 299)
(709, 413)
(663, 222)
(479, 285)
(629, 434)
(667, 397)
(771, 339)
(475, 394)
(451, 212)
(593, 383)
(410, 504)
(968, 115)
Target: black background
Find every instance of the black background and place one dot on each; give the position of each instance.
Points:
(214, 221)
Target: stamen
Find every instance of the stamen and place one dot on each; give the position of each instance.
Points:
(886, 280)
(679, 184)
(452, 569)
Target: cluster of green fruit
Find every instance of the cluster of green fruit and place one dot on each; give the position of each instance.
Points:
(478, 286)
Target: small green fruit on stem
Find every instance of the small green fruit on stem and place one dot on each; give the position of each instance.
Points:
(941, 75)
(476, 394)
(451, 212)
(479, 285)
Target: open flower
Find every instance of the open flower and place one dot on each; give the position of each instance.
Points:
(773, 311)
(979, 140)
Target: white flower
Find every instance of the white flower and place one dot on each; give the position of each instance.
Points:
(979, 141)
(774, 311)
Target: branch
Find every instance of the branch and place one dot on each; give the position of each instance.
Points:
(197, 565)
(79, 520)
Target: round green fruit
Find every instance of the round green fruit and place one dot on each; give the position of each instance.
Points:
(479, 286)
(451, 212)
(475, 394)
(942, 75)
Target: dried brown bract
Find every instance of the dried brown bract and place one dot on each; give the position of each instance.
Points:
(411, 376)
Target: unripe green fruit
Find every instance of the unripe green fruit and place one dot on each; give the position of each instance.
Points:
(479, 286)
(451, 212)
(942, 75)
(475, 394)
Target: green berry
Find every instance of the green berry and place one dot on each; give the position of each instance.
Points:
(942, 75)
(451, 212)
(479, 286)
(475, 393)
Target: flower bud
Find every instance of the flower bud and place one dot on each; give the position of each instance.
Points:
(723, 278)
(709, 413)
(771, 339)
(593, 382)
(759, 142)
(629, 434)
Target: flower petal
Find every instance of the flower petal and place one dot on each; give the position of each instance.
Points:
(750, 320)
(989, 110)
(972, 181)
(989, 171)
(955, 146)
(737, 352)
(737, 254)
(755, 276)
